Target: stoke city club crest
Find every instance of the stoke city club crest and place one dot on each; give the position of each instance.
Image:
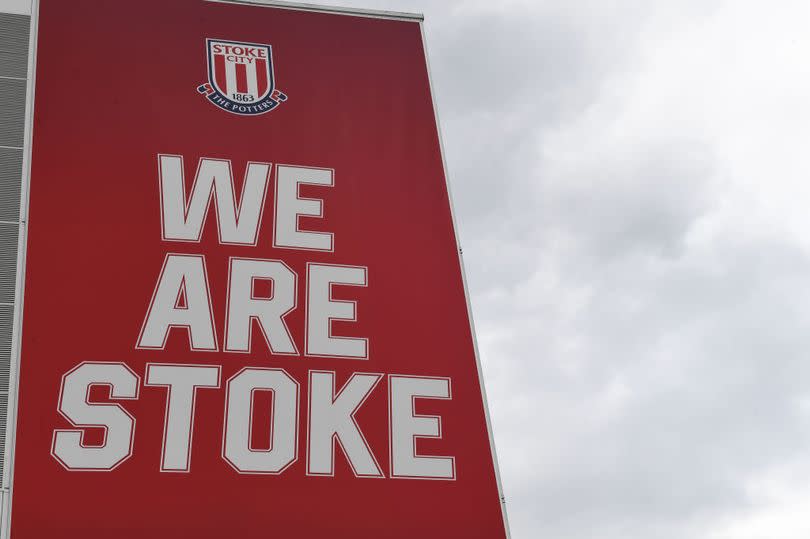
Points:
(240, 77)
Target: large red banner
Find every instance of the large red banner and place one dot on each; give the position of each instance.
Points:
(244, 313)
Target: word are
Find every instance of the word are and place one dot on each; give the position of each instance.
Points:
(182, 300)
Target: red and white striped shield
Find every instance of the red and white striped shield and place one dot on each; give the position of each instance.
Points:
(243, 72)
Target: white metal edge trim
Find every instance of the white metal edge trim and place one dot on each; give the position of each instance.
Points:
(14, 389)
(335, 10)
(466, 291)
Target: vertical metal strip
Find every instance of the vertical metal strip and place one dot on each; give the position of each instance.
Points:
(11, 428)
(466, 290)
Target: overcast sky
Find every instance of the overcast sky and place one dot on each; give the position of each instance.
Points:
(632, 180)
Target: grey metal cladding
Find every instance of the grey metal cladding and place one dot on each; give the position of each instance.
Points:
(14, 30)
(6, 331)
(6, 320)
(3, 422)
(10, 176)
(12, 112)
(8, 260)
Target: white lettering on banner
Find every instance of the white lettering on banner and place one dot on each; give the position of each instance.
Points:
(182, 382)
(68, 445)
(322, 310)
(244, 307)
(183, 217)
(407, 426)
(181, 300)
(330, 420)
(290, 206)
(283, 421)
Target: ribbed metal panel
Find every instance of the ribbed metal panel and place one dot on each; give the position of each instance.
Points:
(14, 44)
(3, 423)
(8, 261)
(10, 180)
(12, 112)
(6, 319)
(14, 33)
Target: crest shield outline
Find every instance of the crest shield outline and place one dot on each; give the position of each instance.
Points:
(241, 77)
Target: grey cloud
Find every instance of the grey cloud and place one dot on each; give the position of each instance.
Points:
(673, 410)
(644, 198)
